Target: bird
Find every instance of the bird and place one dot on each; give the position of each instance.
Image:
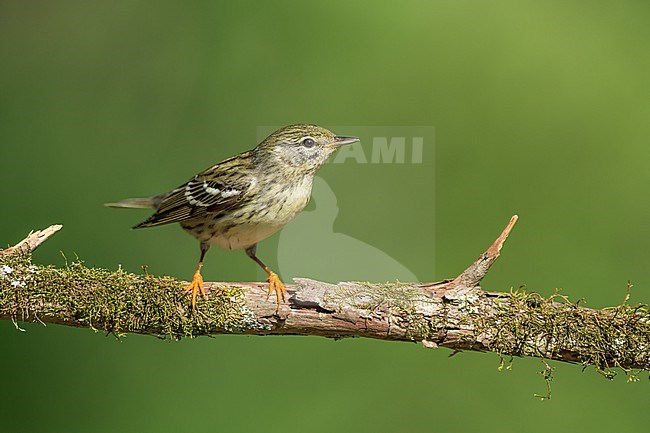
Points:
(244, 199)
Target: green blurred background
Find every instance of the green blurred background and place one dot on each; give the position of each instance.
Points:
(539, 108)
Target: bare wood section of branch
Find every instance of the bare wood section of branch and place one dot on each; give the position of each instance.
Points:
(473, 275)
(33, 240)
(454, 313)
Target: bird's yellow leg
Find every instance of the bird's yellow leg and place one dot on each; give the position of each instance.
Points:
(275, 284)
(196, 285)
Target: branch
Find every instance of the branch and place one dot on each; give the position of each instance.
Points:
(454, 313)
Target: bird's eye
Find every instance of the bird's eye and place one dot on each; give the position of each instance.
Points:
(308, 142)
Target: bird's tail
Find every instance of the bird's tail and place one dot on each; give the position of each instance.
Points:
(135, 203)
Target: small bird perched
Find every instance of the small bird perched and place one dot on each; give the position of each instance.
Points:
(246, 198)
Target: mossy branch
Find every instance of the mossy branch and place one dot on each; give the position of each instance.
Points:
(455, 313)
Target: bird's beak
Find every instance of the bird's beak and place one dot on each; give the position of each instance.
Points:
(342, 141)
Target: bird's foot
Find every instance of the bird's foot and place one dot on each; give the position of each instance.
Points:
(195, 287)
(275, 285)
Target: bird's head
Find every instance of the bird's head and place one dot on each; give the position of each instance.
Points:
(301, 148)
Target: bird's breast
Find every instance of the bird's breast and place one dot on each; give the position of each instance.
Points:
(279, 202)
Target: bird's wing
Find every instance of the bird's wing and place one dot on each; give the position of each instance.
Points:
(211, 192)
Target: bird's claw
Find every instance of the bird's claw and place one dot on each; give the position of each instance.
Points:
(276, 285)
(194, 287)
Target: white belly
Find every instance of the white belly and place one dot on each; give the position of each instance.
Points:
(241, 237)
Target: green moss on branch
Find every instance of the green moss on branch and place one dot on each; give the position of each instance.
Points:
(527, 324)
(115, 302)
